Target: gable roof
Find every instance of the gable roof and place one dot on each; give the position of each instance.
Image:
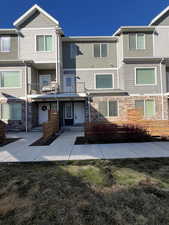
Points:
(159, 16)
(30, 12)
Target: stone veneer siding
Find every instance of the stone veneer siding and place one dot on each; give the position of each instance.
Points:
(125, 103)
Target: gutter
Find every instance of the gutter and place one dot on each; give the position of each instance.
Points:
(162, 90)
(26, 97)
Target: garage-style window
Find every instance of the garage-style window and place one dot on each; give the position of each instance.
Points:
(104, 81)
(147, 107)
(145, 76)
(136, 41)
(11, 111)
(108, 108)
(10, 79)
(100, 50)
(44, 43)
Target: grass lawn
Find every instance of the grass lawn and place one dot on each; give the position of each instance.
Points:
(96, 192)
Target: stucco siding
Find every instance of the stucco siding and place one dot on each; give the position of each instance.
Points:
(148, 51)
(28, 45)
(85, 56)
(13, 54)
(38, 20)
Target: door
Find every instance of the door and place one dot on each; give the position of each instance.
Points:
(43, 112)
(44, 80)
(68, 113)
(79, 113)
(69, 83)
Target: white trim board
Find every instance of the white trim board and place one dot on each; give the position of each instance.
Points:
(88, 69)
(159, 15)
(30, 12)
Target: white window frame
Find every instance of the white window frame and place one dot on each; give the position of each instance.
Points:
(1, 44)
(95, 74)
(107, 102)
(101, 57)
(1, 113)
(20, 74)
(145, 105)
(135, 76)
(136, 42)
(44, 35)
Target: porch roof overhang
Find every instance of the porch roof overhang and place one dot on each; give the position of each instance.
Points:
(61, 96)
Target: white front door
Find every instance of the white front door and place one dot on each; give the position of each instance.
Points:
(79, 116)
(44, 80)
(69, 83)
(43, 112)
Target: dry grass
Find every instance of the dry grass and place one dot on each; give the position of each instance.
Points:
(96, 192)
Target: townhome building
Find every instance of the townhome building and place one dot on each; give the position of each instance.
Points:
(85, 78)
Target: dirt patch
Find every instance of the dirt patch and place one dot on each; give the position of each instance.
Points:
(8, 141)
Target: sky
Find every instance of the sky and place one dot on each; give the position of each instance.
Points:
(87, 17)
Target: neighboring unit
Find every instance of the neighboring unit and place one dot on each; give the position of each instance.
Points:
(85, 79)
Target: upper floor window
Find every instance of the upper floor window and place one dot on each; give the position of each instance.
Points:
(100, 50)
(5, 44)
(44, 43)
(10, 79)
(136, 41)
(104, 81)
(147, 107)
(11, 111)
(145, 76)
(108, 108)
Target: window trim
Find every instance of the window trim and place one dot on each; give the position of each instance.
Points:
(36, 35)
(1, 44)
(20, 74)
(145, 107)
(136, 34)
(107, 102)
(100, 43)
(113, 79)
(135, 76)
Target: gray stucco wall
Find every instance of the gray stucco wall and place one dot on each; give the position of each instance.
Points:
(85, 57)
(88, 77)
(128, 75)
(14, 92)
(38, 19)
(148, 51)
(13, 54)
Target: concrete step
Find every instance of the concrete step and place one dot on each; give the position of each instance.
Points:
(36, 129)
(73, 128)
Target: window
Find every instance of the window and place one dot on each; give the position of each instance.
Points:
(73, 51)
(104, 81)
(100, 50)
(145, 76)
(147, 107)
(5, 44)
(136, 41)
(11, 111)
(108, 108)
(44, 43)
(10, 79)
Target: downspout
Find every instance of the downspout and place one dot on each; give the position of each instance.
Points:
(162, 90)
(26, 98)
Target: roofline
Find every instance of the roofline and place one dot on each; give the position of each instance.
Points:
(129, 28)
(159, 15)
(89, 38)
(28, 12)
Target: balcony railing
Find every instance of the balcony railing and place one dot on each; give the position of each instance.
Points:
(53, 87)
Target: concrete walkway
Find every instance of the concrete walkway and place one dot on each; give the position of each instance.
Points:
(63, 148)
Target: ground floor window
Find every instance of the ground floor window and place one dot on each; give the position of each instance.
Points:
(146, 106)
(108, 108)
(11, 111)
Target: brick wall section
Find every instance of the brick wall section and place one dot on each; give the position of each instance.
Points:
(2, 131)
(52, 126)
(125, 103)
